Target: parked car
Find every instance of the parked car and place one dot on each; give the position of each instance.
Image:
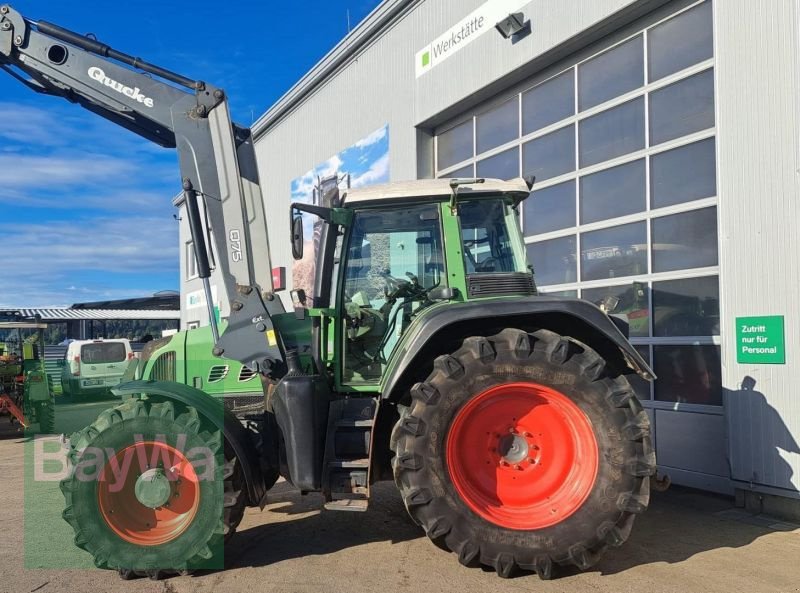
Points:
(92, 367)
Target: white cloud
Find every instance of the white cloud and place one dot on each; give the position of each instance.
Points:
(373, 138)
(377, 173)
(28, 171)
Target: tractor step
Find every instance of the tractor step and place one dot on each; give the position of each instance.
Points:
(348, 504)
(345, 477)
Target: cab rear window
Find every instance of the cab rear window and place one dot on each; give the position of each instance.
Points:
(103, 353)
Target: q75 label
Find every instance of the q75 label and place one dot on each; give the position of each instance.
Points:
(235, 239)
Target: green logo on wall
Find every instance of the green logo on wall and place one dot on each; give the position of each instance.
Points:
(426, 58)
(760, 340)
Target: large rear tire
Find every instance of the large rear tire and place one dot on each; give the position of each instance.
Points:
(145, 493)
(524, 451)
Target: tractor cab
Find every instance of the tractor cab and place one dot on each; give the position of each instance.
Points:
(388, 253)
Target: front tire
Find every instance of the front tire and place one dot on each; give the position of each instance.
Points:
(523, 451)
(145, 490)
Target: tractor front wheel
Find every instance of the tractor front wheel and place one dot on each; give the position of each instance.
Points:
(148, 488)
(524, 451)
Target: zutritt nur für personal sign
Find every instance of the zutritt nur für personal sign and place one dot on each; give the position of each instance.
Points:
(760, 340)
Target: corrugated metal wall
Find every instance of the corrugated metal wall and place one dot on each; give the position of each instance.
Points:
(757, 86)
(380, 87)
(758, 124)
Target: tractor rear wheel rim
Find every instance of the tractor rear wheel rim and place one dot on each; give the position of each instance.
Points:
(522, 456)
(148, 493)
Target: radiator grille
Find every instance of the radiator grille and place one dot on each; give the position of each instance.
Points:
(164, 367)
(482, 285)
(217, 373)
(244, 403)
(245, 374)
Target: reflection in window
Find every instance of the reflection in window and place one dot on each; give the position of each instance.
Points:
(501, 166)
(570, 294)
(465, 172)
(498, 126)
(553, 261)
(687, 240)
(487, 246)
(550, 209)
(682, 108)
(551, 155)
(611, 74)
(548, 102)
(688, 374)
(612, 133)
(688, 307)
(641, 386)
(628, 301)
(683, 174)
(680, 42)
(454, 145)
(613, 192)
(615, 252)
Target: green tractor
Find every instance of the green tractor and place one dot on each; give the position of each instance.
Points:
(24, 386)
(504, 417)
(423, 355)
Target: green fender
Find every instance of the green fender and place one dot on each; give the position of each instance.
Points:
(212, 409)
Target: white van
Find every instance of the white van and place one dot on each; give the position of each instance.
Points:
(94, 366)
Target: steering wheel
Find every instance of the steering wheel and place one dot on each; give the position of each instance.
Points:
(488, 262)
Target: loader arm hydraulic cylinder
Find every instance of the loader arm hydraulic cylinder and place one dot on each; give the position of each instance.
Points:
(217, 161)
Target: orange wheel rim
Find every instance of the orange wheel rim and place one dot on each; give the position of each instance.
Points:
(148, 493)
(522, 456)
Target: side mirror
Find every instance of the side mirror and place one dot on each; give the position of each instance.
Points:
(297, 235)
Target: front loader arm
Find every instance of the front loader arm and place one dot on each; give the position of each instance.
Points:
(217, 161)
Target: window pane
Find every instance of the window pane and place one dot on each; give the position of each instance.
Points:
(682, 108)
(683, 174)
(498, 126)
(550, 155)
(612, 133)
(487, 245)
(548, 102)
(611, 74)
(614, 192)
(680, 42)
(455, 145)
(615, 252)
(688, 307)
(553, 261)
(467, 171)
(689, 374)
(502, 166)
(550, 209)
(687, 240)
(641, 386)
(631, 303)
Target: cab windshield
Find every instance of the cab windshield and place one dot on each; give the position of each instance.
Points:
(484, 231)
(394, 258)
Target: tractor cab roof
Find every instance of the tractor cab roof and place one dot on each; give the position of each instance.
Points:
(435, 189)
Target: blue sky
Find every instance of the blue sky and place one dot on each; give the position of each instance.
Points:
(85, 206)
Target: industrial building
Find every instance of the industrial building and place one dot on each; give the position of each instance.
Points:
(664, 137)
